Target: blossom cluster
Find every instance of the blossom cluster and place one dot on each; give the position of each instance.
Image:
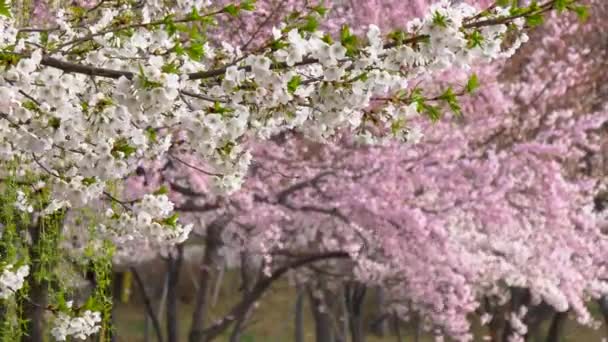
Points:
(80, 327)
(12, 281)
(82, 105)
(61, 119)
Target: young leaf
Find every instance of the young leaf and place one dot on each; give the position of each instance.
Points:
(582, 12)
(472, 84)
(5, 9)
(231, 9)
(293, 83)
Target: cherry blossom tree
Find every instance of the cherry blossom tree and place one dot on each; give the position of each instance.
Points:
(89, 95)
(487, 184)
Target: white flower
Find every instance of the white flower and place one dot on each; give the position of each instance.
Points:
(54, 206)
(235, 75)
(11, 282)
(22, 202)
(414, 135)
(276, 33)
(333, 73)
(78, 327)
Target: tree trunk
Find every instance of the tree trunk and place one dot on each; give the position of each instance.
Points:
(379, 321)
(150, 314)
(201, 302)
(535, 318)
(557, 326)
(202, 299)
(34, 310)
(603, 304)
(397, 323)
(173, 267)
(299, 317)
(417, 327)
(146, 326)
(519, 297)
(249, 275)
(322, 320)
(355, 295)
(497, 324)
(38, 293)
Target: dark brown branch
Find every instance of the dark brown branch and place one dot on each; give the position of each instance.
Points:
(261, 287)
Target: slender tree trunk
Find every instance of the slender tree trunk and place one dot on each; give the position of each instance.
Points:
(379, 322)
(174, 264)
(38, 294)
(536, 316)
(146, 326)
(397, 324)
(34, 310)
(603, 304)
(299, 317)
(519, 297)
(497, 324)
(249, 276)
(201, 302)
(557, 326)
(355, 295)
(322, 320)
(150, 314)
(417, 328)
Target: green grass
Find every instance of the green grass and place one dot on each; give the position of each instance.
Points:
(273, 320)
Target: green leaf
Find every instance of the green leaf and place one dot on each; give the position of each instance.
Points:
(362, 76)
(178, 48)
(310, 25)
(396, 126)
(278, 44)
(417, 95)
(163, 190)
(293, 84)
(327, 38)
(170, 68)
(195, 51)
(472, 84)
(231, 9)
(431, 111)
(219, 109)
(320, 9)
(194, 15)
(560, 5)
(30, 105)
(535, 19)
(349, 41)
(89, 180)
(151, 134)
(398, 36)
(582, 12)
(171, 220)
(170, 27)
(54, 122)
(450, 98)
(247, 5)
(121, 145)
(474, 39)
(5, 9)
(439, 19)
